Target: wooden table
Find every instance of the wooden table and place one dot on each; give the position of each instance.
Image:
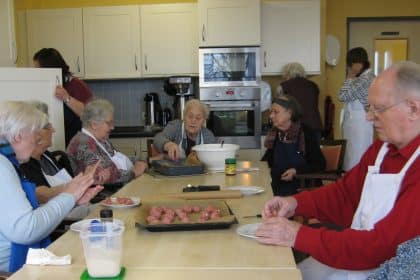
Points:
(206, 254)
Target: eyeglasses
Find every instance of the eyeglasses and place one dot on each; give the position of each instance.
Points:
(377, 111)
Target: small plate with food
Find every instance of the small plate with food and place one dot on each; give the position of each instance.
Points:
(121, 202)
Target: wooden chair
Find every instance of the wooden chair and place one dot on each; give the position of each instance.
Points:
(152, 152)
(333, 151)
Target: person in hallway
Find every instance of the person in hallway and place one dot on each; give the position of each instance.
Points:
(306, 93)
(24, 224)
(179, 136)
(354, 93)
(404, 266)
(376, 202)
(92, 145)
(74, 93)
(49, 176)
(292, 147)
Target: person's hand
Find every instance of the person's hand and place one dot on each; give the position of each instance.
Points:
(288, 175)
(173, 150)
(139, 168)
(79, 184)
(61, 93)
(354, 70)
(89, 194)
(100, 175)
(278, 231)
(279, 207)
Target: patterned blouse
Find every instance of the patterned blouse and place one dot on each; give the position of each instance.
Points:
(357, 88)
(404, 266)
(84, 151)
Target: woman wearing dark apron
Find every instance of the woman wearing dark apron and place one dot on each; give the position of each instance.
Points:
(292, 147)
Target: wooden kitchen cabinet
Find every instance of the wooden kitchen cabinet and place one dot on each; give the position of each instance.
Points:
(111, 37)
(290, 33)
(8, 52)
(60, 29)
(229, 22)
(169, 40)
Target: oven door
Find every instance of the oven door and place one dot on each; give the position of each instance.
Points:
(236, 122)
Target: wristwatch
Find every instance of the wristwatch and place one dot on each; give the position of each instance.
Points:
(67, 100)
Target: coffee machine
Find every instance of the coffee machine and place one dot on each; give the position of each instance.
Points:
(181, 86)
(153, 110)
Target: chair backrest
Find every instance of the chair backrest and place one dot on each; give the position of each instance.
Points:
(152, 151)
(333, 151)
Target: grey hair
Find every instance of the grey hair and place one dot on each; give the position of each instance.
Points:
(19, 117)
(96, 110)
(43, 107)
(407, 75)
(293, 70)
(196, 103)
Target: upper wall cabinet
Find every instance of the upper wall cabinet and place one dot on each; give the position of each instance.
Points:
(60, 29)
(290, 33)
(8, 53)
(111, 37)
(229, 22)
(169, 40)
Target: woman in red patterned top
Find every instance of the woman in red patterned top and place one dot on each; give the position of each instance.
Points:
(91, 144)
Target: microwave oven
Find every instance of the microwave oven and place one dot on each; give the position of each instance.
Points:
(229, 66)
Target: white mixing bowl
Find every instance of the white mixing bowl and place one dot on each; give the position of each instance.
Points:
(213, 155)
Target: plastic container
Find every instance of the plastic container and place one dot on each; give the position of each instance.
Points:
(102, 247)
(230, 166)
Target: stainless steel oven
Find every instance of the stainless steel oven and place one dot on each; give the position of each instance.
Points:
(229, 66)
(235, 115)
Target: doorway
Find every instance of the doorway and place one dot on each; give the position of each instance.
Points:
(398, 37)
(387, 52)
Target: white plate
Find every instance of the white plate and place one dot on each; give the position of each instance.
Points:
(136, 201)
(77, 226)
(246, 190)
(248, 230)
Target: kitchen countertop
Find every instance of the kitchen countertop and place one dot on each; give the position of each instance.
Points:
(134, 131)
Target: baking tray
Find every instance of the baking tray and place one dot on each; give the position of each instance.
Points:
(224, 222)
(176, 168)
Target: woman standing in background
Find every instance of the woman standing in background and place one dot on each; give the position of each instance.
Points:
(355, 128)
(306, 93)
(74, 93)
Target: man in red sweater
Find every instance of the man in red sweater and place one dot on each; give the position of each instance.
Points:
(376, 201)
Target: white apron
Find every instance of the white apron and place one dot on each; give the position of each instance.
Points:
(120, 160)
(371, 209)
(60, 178)
(181, 149)
(357, 131)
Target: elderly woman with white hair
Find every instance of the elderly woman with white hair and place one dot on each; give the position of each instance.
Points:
(27, 225)
(178, 137)
(305, 92)
(48, 174)
(92, 145)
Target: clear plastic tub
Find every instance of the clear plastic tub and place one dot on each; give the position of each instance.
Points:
(102, 246)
